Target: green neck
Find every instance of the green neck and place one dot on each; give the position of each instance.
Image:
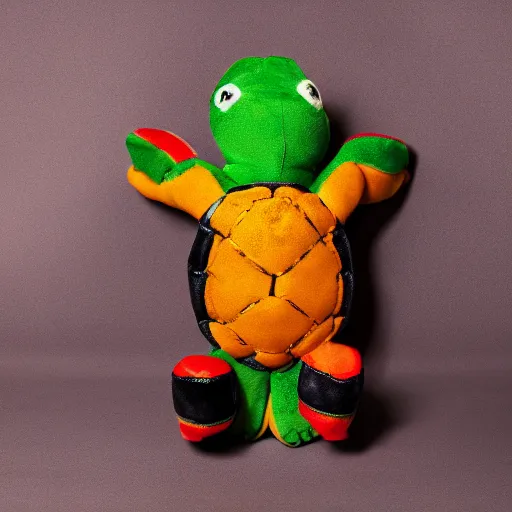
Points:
(245, 174)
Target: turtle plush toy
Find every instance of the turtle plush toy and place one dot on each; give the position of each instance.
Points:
(270, 270)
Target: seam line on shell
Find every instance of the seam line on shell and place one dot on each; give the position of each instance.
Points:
(241, 216)
(239, 314)
(308, 220)
(295, 263)
(240, 340)
(238, 249)
(293, 305)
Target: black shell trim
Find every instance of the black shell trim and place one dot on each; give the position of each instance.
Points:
(198, 258)
(252, 363)
(197, 284)
(205, 219)
(348, 291)
(204, 326)
(342, 245)
(201, 247)
(340, 241)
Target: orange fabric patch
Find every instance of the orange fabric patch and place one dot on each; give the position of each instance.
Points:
(322, 218)
(273, 277)
(312, 284)
(271, 325)
(290, 192)
(314, 338)
(193, 192)
(352, 183)
(230, 341)
(233, 282)
(234, 205)
(274, 234)
(146, 186)
(342, 190)
(273, 360)
(201, 366)
(339, 361)
(379, 185)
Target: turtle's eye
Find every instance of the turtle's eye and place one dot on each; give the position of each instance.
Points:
(227, 96)
(308, 90)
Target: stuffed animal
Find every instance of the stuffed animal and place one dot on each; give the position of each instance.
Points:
(270, 270)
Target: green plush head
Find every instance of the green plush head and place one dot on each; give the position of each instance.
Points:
(269, 122)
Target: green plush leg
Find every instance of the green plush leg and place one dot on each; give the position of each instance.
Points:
(286, 422)
(254, 392)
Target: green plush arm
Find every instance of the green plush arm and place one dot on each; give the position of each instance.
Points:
(381, 152)
(368, 168)
(163, 156)
(166, 169)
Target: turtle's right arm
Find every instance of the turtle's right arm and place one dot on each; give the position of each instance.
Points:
(166, 169)
(368, 168)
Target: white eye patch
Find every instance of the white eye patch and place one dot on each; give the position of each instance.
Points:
(227, 96)
(308, 90)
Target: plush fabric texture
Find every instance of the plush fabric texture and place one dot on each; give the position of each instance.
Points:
(270, 270)
(285, 420)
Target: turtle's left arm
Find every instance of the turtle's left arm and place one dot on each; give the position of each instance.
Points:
(368, 168)
(166, 169)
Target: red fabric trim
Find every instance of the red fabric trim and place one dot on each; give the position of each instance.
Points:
(329, 427)
(196, 433)
(171, 144)
(201, 367)
(370, 134)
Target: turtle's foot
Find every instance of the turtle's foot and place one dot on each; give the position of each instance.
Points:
(285, 420)
(330, 382)
(204, 395)
(290, 427)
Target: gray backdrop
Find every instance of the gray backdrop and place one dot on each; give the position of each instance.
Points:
(94, 292)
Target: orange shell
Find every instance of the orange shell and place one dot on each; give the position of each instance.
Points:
(274, 285)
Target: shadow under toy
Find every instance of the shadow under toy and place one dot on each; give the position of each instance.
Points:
(270, 270)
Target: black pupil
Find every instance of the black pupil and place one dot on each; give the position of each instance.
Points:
(313, 91)
(225, 95)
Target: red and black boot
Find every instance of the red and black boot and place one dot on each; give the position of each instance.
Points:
(204, 391)
(330, 383)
